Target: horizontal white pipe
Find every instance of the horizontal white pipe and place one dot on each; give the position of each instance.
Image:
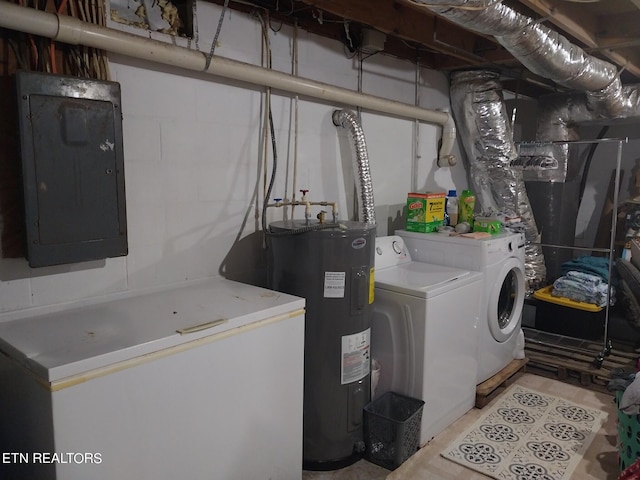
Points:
(70, 30)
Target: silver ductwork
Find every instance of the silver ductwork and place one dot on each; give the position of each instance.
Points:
(550, 55)
(560, 115)
(540, 49)
(553, 191)
(554, 194)
(364, 187)
(481, 116)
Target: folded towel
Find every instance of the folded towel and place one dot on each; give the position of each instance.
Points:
(595, 265)
(583, 287)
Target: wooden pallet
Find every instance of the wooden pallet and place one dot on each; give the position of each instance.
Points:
(488, 389)
(572, 364)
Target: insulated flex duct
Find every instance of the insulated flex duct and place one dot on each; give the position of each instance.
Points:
(540, 49)
(555, 199)
(550, 55)
(487, 138)
(553, 191)
(364, 187)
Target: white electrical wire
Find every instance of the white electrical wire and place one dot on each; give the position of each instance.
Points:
(296, 117)
(416, 132)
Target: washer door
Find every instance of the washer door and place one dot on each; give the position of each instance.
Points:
(506, 300)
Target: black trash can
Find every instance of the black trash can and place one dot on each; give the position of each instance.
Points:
(392, 429)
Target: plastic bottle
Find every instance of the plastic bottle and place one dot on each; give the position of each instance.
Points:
(452, 208)
(466, 206)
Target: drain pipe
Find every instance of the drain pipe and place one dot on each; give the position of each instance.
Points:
(73, 31)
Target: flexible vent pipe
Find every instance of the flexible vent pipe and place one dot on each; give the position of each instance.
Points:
(364, 187)
(70, 30)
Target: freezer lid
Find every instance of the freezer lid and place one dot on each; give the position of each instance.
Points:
(79, 340)
(424, 280)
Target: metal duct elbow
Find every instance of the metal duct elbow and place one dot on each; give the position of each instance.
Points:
(364, 187)
(560, 115)
(615, 101)
(609, 100)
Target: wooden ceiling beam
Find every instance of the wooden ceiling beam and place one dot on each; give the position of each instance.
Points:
(618, 26)
(416, 25)
(574, 21)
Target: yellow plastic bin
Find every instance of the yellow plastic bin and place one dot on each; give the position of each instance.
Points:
(567, 317)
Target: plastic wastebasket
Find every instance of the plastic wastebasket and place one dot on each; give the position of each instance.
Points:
(392, 429)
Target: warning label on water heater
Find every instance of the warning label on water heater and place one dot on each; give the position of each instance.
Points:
(334, 284)
(356, 362)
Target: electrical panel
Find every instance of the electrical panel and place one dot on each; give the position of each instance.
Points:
(72, 168)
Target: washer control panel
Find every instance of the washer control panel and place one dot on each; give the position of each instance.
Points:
(391, 251)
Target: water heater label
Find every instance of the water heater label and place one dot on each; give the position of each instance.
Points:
(334, 284)
(356, 360)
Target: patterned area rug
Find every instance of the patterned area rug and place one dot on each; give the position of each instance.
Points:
(527, 435)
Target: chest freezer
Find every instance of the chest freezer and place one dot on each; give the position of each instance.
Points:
(204, 380)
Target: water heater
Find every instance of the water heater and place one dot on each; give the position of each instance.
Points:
(331, 266)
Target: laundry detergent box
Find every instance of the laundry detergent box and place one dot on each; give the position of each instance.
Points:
(425, 211)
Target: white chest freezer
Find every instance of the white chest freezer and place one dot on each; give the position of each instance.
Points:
(198, 382)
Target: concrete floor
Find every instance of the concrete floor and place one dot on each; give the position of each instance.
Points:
(599, 463)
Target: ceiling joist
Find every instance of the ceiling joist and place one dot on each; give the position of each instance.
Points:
(578, 24)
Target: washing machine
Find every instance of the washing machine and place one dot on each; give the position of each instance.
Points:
(423, 333)
(501, 259)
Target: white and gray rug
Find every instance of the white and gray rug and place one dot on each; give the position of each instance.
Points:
(527, 435)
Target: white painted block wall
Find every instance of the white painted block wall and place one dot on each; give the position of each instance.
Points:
(194, 176)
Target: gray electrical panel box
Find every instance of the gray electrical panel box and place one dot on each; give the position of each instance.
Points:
(72, 167)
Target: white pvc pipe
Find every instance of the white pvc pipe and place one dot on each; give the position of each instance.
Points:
(65, 29)
(448, 140)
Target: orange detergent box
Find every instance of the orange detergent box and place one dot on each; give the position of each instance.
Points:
(425, 211)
